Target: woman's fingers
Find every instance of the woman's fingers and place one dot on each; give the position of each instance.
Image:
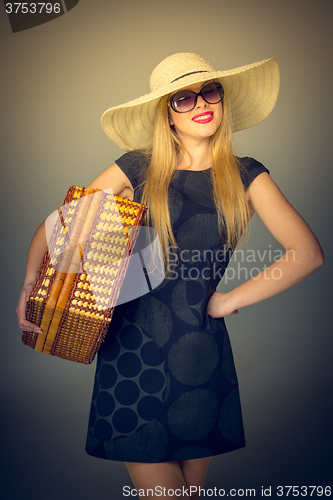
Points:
(29, 327)
(21, 310)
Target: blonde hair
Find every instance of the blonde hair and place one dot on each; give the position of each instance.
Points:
(228, 189)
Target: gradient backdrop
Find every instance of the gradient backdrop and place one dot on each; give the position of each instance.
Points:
(56, 81)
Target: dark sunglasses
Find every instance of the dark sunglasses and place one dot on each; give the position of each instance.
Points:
(186, 100)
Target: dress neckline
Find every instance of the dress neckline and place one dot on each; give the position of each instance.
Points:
(189, 170)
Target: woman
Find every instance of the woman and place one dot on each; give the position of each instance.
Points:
(166, 395)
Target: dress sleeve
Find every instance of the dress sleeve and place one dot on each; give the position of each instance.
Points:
(250, 169)
(133, 164)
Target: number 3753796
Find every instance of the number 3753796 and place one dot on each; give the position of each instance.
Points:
(304, 491)
(32, 8)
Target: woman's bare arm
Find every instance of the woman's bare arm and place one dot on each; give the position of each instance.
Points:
(303, 254)
(113, 177)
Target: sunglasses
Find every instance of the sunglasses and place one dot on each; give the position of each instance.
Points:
(186, 100)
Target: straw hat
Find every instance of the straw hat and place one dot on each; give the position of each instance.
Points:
(252, 90)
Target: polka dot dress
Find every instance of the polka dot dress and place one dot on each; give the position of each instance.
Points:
(165, 386)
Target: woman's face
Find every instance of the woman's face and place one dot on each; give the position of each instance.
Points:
(201, 122)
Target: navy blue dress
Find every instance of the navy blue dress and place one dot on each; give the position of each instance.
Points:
(165, 386)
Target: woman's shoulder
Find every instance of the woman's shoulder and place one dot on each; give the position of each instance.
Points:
(249, 169)
(137, 158)
(134, 165)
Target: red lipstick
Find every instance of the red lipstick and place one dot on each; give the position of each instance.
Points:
(204, 117)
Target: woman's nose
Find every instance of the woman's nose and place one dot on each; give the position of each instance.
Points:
(200, 102)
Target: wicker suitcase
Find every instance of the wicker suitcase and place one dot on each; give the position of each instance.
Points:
(80, 277)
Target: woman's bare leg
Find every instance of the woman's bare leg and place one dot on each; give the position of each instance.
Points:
(152, 478)
(174, 477)
(194, 471)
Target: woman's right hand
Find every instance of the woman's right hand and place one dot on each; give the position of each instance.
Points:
(113, 176)
(21, 310)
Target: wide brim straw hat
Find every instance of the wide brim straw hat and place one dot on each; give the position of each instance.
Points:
(252, 91)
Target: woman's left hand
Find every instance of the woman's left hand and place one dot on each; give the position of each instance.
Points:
(219, 305)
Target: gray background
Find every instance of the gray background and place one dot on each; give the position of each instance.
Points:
(57, 79)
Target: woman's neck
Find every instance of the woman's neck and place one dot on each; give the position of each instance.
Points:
(194, 158)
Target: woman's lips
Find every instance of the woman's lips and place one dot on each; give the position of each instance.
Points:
(203, 117)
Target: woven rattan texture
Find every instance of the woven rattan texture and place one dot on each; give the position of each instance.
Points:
(81, 274)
